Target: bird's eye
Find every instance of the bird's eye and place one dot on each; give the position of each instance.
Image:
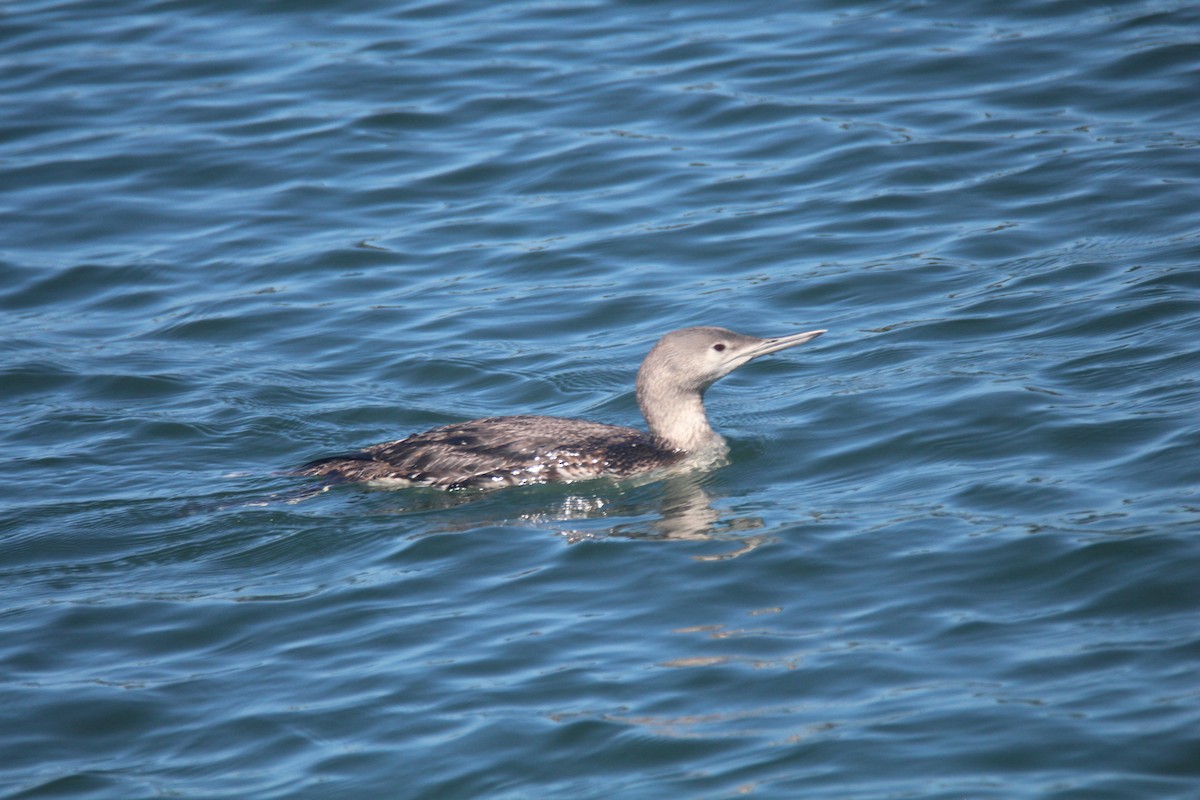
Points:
(720, 348)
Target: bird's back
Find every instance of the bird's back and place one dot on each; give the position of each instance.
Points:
(502, 451)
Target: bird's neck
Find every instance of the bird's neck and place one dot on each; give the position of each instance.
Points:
(677, 419)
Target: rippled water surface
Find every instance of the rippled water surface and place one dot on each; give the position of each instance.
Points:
(954, 554)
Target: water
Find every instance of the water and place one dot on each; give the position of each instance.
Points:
(954, 553)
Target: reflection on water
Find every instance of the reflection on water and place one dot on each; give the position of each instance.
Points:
(678, 507)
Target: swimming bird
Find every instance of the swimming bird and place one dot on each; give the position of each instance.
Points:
(526, 449)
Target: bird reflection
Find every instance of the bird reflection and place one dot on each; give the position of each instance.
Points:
(677, 508)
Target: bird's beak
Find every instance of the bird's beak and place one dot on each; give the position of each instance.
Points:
(781, 343)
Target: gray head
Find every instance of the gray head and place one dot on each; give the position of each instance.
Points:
(695, 358)
(683, 364)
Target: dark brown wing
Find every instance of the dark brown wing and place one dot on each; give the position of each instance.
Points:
(501, 451)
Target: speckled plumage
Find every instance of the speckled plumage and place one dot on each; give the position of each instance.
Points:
(527, 449)
(502, 451)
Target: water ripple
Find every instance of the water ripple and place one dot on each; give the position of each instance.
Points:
(953, 549)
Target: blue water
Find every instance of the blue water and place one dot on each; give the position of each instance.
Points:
(954, 555)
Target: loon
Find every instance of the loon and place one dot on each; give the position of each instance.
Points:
(519, 450)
